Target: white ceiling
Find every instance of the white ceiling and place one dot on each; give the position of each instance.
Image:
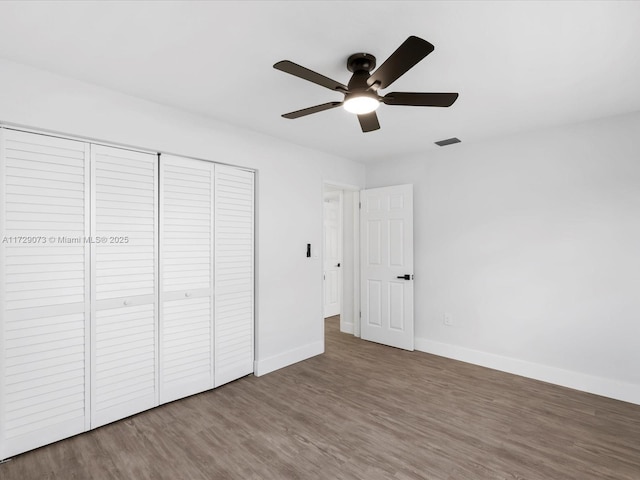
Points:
(517, 65)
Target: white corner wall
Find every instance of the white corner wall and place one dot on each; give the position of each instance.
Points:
(289, 200)
(532, 244)
(349, 262)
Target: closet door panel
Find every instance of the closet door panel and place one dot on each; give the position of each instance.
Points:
(186, 262)
(44, 290)
(124, 291)
(234, 273)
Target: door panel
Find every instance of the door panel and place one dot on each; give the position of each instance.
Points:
(125, 361)
(186, 265)
(234, 277)
(124, 287)
(44, 290)
(387, 253)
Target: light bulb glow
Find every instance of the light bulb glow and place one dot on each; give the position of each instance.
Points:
(361, 105)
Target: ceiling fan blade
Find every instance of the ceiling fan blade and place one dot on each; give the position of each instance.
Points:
(309, 75)
(310, 110)
(369, 122)
(406, 56)
(420, 99)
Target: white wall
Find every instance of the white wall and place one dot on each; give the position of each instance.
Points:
(350, 261)
(290, 183)
(532, 244)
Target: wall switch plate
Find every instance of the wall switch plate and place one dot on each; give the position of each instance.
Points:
(447, 319)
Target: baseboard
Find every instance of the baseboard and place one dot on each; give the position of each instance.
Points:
(284, 359)
(627, 392)
(346, 327)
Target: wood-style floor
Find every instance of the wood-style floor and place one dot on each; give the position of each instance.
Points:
(360, 411)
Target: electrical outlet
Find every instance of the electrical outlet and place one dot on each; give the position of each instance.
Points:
(447, 319)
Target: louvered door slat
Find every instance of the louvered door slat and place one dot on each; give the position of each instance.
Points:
(44, 290)
(124, 287)
(186, 321)
(234, 273)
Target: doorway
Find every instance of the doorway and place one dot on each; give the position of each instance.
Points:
(332, 258)
(341, 257)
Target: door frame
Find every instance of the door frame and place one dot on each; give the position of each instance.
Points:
(350, 308)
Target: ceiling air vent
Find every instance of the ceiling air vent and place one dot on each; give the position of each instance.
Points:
(448, 141)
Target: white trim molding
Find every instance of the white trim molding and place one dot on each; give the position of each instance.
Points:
(346, 327)
(284, 359)
(606, 387)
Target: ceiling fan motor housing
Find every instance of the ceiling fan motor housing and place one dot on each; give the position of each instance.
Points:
(361, 62)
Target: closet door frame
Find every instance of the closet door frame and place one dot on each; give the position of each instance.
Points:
(90, 293)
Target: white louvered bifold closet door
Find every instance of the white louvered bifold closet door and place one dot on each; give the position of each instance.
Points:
(124, 286)
(186, 272)
(234, 273)
(44, 295)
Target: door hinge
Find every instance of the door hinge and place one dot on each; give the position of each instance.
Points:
(360, 314)
(360, 205)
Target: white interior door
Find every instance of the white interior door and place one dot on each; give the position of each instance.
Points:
(124, 287)
(332, 253)
(186, 272)
(44, 290)
(387, 266)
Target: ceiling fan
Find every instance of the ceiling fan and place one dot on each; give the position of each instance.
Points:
(361, 94)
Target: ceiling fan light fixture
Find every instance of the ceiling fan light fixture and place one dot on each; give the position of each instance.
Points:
(361, 104)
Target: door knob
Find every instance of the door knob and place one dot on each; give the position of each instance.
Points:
(405, 277)
(337, 265)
